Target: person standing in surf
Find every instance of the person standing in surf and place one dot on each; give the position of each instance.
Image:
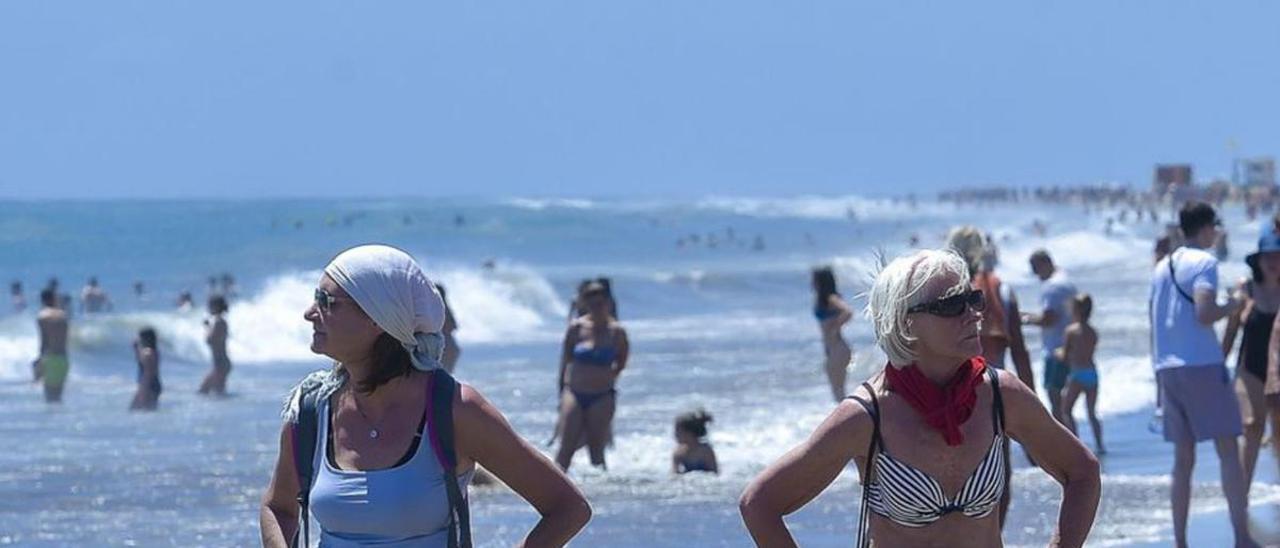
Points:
(215, 335)
(593, 356)
(832, 312)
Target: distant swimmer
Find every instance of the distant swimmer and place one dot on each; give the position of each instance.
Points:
(489, 265)
(215, 335)
(758, 244)
(459, 220)
(93, 299)
(693, 453)
(914, 240)
(451, 349)
(147, 353)
(185, 302)
(227, 285)
(53, 364)
(16, 299)
(139, 291)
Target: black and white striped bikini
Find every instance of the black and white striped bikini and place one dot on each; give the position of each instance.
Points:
(908, 497)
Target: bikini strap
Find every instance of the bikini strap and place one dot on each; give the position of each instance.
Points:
(997, 403)
(873, 409)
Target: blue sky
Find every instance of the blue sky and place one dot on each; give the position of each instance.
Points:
(238, 99)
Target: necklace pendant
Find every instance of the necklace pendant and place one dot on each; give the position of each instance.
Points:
(373, 433)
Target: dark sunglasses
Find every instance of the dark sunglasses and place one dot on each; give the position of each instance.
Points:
(955, 305)
(324, 301)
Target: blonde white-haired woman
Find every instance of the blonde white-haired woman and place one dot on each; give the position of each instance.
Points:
(930, 433)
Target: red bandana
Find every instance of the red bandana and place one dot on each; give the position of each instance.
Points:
(943, 408)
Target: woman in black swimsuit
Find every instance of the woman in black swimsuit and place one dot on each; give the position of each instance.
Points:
(1257, 324)
(148, 356)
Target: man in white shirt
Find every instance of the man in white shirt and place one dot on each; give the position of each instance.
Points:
(1195, 390)
(1056, 292)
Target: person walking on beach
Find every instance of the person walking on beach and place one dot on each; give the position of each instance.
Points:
(389, 439)
(215, 335)
(1001, 329)
(930, 433)
(593, 356)
(1078, 347)
(147, 353)
(1256, 359)
(832, 312)
(1056, 291)
(1191, 375)
(693, 453)
(53, 365)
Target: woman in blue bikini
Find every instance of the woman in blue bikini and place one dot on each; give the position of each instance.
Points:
(832, 313)
(593, 356)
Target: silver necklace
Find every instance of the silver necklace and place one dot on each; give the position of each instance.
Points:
(373, 428)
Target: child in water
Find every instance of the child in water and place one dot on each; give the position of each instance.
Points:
(1077, 352)
(693, 453)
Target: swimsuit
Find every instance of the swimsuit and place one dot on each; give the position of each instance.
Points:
(154, 387)
(904, 495)
(587, 399)
(1257, 335)
(55, 367)
(823, 315)
(693, 465)
(1087, 378)
(588, 354)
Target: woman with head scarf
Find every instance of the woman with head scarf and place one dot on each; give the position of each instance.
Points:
(375, 480)
(930, 433)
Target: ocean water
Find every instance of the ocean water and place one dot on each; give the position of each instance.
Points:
(726, 327)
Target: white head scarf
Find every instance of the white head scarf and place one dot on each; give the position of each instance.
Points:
(390, 287)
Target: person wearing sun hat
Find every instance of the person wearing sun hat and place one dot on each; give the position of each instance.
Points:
(1257, 382)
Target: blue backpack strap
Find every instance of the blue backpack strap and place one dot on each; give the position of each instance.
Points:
(303, 435)
(441, 387)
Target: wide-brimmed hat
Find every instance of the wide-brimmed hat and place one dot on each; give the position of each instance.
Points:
(1269, 242)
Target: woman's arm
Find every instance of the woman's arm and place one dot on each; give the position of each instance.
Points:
(845, 313)
(566, 354)
(1060, 454)
(623, 353)
(802, 474)
(1233, 326)
(278, 517)
(1273, 361)
(484, 436)
(1018, 345)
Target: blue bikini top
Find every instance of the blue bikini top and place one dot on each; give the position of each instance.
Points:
(586, 353)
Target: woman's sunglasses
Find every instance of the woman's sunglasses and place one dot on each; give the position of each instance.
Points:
(324, 301)
(955, 305)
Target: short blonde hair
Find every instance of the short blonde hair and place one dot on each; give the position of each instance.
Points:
(902, 284)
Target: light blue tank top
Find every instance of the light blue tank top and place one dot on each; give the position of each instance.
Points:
(401, 507)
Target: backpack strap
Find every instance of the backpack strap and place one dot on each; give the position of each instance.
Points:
(441, 388)
(873, 409)
(303, 437)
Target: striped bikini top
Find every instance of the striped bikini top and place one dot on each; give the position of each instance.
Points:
(908, 497)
